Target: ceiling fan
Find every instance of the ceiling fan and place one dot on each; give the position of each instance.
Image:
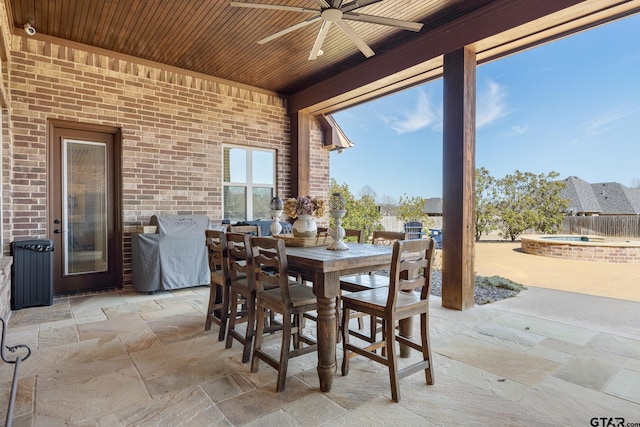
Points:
(333, 11)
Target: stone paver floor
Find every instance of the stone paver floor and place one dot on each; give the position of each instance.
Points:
(545, 357)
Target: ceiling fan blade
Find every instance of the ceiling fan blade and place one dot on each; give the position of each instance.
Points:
(322, 3)
(364, 48)
(322, 34)
(358, 4)
(272, 7)
(405, 25)
(289, 29)
(336, 4)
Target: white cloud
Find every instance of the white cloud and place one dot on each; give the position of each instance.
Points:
(606, 121)
(517, 130)
(417, 118)
(491, 104)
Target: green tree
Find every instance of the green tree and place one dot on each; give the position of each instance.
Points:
(485, 203)
(552, 207)
(412, 209)
(516, 204)
(527, 200)
(362, 213)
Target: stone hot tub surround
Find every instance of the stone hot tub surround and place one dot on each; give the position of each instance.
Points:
(583, 248)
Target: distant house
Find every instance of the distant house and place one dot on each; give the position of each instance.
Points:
(608, 198)
(433, 206)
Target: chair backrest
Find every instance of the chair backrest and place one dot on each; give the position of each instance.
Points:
(253, 230)
(413, 229)
(216, 243)
(387, 238)
(411, 267)
(240, 258)
(352, 232)
(270, 260)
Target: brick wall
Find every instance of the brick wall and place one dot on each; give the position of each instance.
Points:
(173, 126)
(579, 251)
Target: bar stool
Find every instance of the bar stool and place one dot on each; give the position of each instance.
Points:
(242, 291)
(406, 296)
(276, 292)
(218, 308)
(363, 282)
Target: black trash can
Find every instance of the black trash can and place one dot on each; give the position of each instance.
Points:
(31, 273)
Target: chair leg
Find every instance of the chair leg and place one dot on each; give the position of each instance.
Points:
(284, 352)
(374, 331)
(212, 302)
(338, 317)
(250, 332)
(224, 313)
(360, 323)
(257, 345)
(390, 332)
(298, 324)
(233, 314)
(426, 347)
(345, 341)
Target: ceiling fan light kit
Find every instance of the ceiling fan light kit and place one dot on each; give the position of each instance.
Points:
(334, 12)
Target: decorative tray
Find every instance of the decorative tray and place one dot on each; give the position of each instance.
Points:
(304, 242)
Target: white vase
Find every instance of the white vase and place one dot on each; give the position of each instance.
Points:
(305, 226)
(337, 232)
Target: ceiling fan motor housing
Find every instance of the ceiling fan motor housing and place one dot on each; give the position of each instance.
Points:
(331, 15)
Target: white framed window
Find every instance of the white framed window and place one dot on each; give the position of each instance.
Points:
(249, 182)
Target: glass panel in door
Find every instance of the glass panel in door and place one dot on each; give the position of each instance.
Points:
(84, 214)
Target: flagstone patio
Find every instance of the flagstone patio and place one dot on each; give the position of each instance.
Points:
(545, 357)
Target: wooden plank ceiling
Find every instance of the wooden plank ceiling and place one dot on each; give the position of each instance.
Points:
(213, 38)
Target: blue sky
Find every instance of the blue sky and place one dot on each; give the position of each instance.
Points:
(571, 106)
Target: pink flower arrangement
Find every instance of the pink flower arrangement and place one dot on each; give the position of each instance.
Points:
(304, 205)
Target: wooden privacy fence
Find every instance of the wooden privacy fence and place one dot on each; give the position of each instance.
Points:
(614, 226)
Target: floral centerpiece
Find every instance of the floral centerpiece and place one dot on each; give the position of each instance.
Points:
(304, 205)
(303, 209)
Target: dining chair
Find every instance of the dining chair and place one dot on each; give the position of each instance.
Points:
(371, 280)
(253, 230)
(242, 292)
(354, 234)
(218, 308)
(322, 231)
(406, 296)
(276, 291)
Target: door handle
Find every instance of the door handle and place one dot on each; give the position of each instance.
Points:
(57, 231)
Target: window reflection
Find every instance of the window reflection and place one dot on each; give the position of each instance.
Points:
(249, 183)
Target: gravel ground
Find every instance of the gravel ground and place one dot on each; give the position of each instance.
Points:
(487, 290)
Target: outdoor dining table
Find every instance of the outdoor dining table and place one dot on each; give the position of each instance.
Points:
(324, 267)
